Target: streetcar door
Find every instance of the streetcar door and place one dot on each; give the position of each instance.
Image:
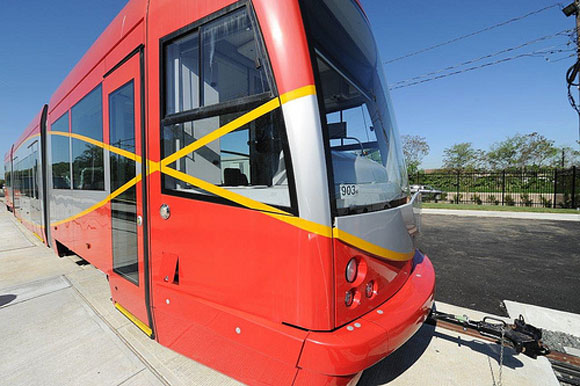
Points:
(122, 101)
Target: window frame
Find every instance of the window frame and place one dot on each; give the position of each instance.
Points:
(215, 110)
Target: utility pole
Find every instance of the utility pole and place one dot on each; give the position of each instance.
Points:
(577, 6)
(569, 10)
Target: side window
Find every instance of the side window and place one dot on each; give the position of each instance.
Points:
(182, 74)
(87, 159)
(232, 68)
(60, 154)
(248, 161)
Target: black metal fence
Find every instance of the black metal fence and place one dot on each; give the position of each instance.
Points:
(549, 188)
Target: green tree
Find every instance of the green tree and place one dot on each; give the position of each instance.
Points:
(566, 157)
(415, 148)
(462, 156)
(520, 151)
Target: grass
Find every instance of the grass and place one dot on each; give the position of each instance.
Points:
(498, 208)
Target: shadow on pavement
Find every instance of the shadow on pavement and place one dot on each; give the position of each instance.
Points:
(492, 350)
(399, 361)
(6, 299)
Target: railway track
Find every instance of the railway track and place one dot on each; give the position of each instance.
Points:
(566, 367)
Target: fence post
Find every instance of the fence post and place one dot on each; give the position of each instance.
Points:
(457, 196)
(502, 188)
(555, 187)
(573, 187)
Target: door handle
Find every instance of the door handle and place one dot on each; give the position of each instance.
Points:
(139, 220)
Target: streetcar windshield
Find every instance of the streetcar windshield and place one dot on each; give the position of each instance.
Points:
(368, 167)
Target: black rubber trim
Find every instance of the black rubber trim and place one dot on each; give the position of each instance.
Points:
(124, 60)
(246, 103)
(144, 198)
(43, 160)
(12, 176)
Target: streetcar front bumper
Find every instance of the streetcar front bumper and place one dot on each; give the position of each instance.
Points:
(335, 357)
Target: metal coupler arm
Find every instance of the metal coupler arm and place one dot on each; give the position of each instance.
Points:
(523, 337)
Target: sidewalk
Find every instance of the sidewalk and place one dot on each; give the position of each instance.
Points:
(58, 327)
(502, 214)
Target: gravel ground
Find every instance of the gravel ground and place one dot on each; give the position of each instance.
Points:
(556, 340)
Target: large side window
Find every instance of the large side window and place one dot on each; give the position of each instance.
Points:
(213, 75)
(87, 159)
(60, 154)
(124, 206)
(231, 64)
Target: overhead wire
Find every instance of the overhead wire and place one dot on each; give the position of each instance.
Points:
(489, 28)
(562, 58)
(475, 60)
(544, 52)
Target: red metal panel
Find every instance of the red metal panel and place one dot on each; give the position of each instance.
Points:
(223, 258)
(387, 276)
(131, 296)
(93, 237)
(253, 350)
(405, 312)
(372, 337)
(281, 22)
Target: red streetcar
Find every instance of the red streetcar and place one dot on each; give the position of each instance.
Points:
(235, 170)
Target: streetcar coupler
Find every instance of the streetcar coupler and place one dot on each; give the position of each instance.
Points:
(522, 337)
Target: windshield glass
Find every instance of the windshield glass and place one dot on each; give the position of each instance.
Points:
(368, 168)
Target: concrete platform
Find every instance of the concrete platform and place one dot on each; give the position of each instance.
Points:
(436, 356)
(546, 318)
(58, 327)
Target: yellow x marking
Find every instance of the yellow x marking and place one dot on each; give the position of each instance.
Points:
(162, 166)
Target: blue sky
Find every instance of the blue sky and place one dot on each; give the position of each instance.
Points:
(41, 42)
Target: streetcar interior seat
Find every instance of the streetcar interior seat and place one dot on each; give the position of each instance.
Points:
(234, 177)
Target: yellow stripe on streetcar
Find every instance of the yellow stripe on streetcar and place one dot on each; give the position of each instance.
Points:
(112, 149)
(371, 248)
(298, 93)
(221, 192)
(161, 166)
(225, 129)
(142, 326)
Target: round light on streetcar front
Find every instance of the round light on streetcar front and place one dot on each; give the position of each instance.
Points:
(349, 298)
(351, 270)
(370, 289)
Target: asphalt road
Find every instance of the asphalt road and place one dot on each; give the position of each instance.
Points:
(479, 262)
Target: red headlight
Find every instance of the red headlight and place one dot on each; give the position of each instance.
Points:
(349, 298)
(370, 289)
